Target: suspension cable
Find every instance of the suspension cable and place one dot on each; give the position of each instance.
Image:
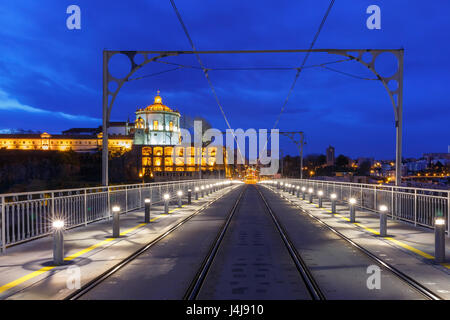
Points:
(205, 72)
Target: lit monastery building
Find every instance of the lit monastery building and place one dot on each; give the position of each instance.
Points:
(155, 135)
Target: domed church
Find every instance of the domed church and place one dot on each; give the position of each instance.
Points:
(157, 124)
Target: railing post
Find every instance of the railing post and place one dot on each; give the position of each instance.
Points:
(375, 199)
(109, 202)
(85, 207)
(415, 207)
(126, 199)
(53, 206)
(448, 214)
(3, 225)
(392, 203)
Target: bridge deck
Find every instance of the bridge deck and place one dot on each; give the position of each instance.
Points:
(167, 268)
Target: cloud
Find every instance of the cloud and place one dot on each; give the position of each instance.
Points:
(10, 104)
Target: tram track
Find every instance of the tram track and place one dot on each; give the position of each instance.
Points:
(309, 282)
(79, 293)
(415, 285)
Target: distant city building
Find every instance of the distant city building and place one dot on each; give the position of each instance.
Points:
(330, 156)
(433, 158)
(418, 165)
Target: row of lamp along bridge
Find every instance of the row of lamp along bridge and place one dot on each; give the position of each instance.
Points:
(199, 192)
(439, 222)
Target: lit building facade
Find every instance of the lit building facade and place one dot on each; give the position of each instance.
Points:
(155, 134)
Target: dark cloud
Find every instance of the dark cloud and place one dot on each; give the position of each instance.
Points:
(47, 67)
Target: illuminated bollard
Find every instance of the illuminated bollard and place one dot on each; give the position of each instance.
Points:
(352, 202)
(320, 194)
(147, 204)
(333, 197)
(310, 190)
(303, 193)
(282, 186)
(180, 198)
(58, 242)
(278, 185)
(298, 191)
(439, 239)
(383, 220)
(293, 190)
(166, 203)
(202, 188)
(116, 221)
(196, 189)
(189, 201)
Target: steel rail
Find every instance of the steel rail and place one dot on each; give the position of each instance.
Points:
(308, 279)
(102, 277)
(196, 284)
(401, 275)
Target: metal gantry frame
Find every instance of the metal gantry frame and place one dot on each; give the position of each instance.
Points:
(395, 95)
(299, 143)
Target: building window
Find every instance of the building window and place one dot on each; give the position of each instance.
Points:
(155, 124)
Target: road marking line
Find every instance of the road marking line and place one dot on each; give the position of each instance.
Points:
(27, 277)
(43, 270)
(397, 242)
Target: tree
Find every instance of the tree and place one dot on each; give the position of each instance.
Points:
(342, 161)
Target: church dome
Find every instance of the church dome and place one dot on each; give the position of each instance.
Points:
(158, 105)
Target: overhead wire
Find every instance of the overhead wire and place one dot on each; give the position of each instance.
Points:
(205, 72)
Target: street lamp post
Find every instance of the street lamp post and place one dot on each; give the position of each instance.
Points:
(352, 203)
(58, 242)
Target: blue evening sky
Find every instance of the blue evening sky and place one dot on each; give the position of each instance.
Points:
(51, 77)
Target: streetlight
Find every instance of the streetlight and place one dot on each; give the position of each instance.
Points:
(439, 239)
(58, 242)
(189, 196)
(333, 197)
(166, 197)
(383, 220)
(352, 202)
(116, 221)
(180, 195)
(320, 194)
(147, 204)
(196, 189)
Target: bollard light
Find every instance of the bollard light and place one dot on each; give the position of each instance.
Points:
(303, 193)
(180, 195)
(58, 224)
(116, 221)
(310, 190)
(166, 198)
(58, 242)
(203, 191)
(352, 202)
(189, 196)
(298, 191)
(196, 192)
(383, 220)
(320, 194)
(147, 204)
(333, 197)
(439, 239)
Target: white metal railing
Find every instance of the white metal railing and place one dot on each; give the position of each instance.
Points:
(25, 216)
(416, 205)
